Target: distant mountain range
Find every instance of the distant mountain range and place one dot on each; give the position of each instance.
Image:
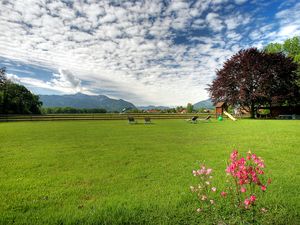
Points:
(207, 104)
(81, 101)
(149, 107)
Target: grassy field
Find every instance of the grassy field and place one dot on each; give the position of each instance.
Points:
(109, 172)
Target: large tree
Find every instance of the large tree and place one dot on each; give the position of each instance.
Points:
(251, 78)
(16, 99)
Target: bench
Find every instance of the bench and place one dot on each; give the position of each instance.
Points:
(287, 117)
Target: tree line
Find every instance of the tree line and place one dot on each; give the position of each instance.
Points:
(58, 110)
(17, 99)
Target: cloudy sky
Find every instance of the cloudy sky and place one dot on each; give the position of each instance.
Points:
(148, 52)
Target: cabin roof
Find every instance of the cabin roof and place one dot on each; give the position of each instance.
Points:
(220, 104)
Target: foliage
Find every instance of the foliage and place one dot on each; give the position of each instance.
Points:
(179, 109)
(290, 48)
(189, 108)
(251, 78)
(57, 110)
(16, 99)
(3, 78)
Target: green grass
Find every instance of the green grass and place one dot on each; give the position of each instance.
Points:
(109, 172)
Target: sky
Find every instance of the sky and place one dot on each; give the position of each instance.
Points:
(150, 52)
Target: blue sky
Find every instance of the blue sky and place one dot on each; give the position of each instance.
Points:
(147, 52)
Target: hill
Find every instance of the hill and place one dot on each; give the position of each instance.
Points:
(81, 101)
(207, 104)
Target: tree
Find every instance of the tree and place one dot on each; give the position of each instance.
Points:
(179, 109)
(251, 78)
(290, 48)
(189, 108)
(17, 99)
(2, 76)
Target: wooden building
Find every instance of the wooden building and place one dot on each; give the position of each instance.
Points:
(220, 107)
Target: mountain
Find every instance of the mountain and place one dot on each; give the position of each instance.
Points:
(207, 104)
(85, 101)
(149, 107)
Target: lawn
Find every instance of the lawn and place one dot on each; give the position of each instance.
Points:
(109, 172)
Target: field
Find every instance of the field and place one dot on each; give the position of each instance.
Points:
(110, 172)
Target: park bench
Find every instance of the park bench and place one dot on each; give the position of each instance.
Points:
(193, 119)
(207, 119)
(131, 120)
(287, 117)
(147, 120)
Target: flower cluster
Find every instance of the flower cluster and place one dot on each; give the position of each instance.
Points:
(246, 184)
(204, 189)
(202, 171)
(247, 173)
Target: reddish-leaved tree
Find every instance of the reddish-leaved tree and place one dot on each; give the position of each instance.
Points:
(251, 78)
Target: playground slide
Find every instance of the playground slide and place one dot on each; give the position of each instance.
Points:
(229, 115)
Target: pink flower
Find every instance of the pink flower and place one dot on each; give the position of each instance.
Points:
(263, 187)
(208, 171)
(223, 193)
(234, 155)
(213, 189)
(243, 189)
(252, 198)
(247, 202)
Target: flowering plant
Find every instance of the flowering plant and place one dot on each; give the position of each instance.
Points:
(247, 176)
(246, 183)
(204, 188)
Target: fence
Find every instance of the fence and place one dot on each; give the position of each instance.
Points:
(100, 116)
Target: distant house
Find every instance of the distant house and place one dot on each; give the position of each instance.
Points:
(183, 111)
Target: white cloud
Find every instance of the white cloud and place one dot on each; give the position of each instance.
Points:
(129, 49)
(214, 22)
(63, 82)
(289, 20)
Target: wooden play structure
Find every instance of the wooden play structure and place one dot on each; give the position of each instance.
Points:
(221, 108)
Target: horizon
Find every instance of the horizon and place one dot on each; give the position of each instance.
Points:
(161, 53)
(169, 106)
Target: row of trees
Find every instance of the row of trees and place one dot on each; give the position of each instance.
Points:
(253, 78)
(16, 99)
(58, 110)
